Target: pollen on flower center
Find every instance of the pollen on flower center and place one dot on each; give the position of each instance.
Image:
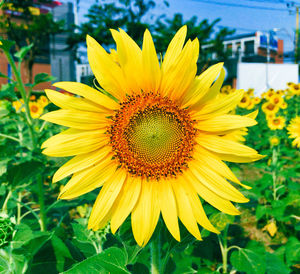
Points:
(152, 137)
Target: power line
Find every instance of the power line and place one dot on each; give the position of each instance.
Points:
(239, 5)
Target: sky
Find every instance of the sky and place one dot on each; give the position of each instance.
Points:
(246, 16)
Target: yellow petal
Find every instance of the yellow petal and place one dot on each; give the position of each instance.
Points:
(185, 211)
(224, 123)
(201, 86)
(151, 69)
(73, 142)
(107, 197)
(168, 208)
(71, 102)
(198, 210)
(108, 73)
(218, 106)
(239, 158)
(126, 202)
(145, 215)
(221, 145)
(80, 162)
(130, 60)
(215, 182)
(215, 163)
(177, 79)
(77, 119)
(88, 93)
(210, 197)
(174, 48)
(87, 180)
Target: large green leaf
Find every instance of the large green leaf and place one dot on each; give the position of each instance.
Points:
(292, 251)
(23, 173)
(61, 252)
(275, 265)
(43, 77)
(248, 261)
(111, 260)
(8, 91)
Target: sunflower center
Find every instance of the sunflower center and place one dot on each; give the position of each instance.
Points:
(152, 137)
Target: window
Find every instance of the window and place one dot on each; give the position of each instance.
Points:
(249, 47)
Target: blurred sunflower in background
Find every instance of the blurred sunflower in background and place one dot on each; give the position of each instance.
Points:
(274, 141)
(294, 131)
(155, 143)
(269, 107)
(245, 101)
(36, 110)
(277, 122)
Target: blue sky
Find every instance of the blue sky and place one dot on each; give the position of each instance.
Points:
(244, 15)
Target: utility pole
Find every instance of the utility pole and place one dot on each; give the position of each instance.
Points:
(297, 35)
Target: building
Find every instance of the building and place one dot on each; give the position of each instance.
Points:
(62, 59)
(256, 47)
(54, 59)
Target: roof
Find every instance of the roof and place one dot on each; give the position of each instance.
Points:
(240, 36)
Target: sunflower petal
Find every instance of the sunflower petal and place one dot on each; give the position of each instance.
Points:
(145, 215)
(71, 102)
(126, 202)
(151, 69)
(210, 197)
(89, 93)
(107, 197)
(89, 179)
(168, 208)
(108, 73)
(73, 142)
(184, 208)
(174, 48)
(80, 162)
(225, 122)
(76, 119)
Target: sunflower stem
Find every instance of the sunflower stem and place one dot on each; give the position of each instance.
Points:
(274, 173)
(41, 199)
(224, 249)
(155, 258)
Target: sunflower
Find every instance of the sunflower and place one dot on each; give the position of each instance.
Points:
(274, 141)
(277, 122)
(270, 94)
(245, 101)
(294, 131)
(154, 143)
(268, 107)
(251, 104)
(256, 100)
(36, 110)
(276, 100)
(295, 89)
(43, 101)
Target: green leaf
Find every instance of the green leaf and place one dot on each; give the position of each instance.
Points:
(292, 253)
(43, 77)
(248, 261)
(7, 91)
(275, 265)
(22, 236)
(61, 252)
(21, 174)
(23, 51)
(3, 75)
(111, 260)
(6, 44)
(220, 220)
(261, 210)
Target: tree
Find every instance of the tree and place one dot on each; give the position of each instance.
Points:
(29, 28)
(126, 14)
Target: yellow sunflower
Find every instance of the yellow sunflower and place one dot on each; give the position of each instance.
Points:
(276, 100)
(36, 110)
(294, 131)
(43, 101)
(270, 94)
(274, 141)
(277, 122)
(269, 107)
(245, 101)
(157, 145)
(295, 89)
(251, 104)
(256, 100)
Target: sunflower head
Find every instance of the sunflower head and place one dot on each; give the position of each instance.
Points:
(36, 109)
(294, 131)
(245, 101)
(269, 107)
(277, 122)
(153, 138)
(274, 141)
